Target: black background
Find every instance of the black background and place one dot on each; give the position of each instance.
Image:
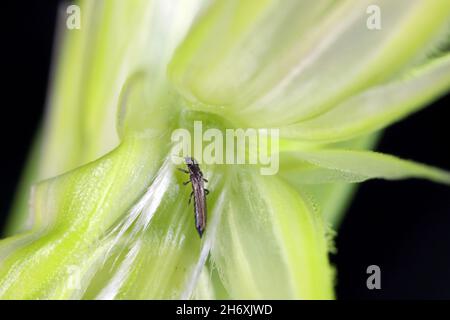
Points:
(403, 227)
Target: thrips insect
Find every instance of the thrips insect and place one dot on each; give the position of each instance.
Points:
(198, 192)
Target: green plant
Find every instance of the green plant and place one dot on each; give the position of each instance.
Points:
(108, 217)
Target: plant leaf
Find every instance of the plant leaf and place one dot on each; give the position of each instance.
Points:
(270, 243)
(377, 107)
(328, 166)
(225, 66)
(117, 41)
(333, 198)
(70, 213)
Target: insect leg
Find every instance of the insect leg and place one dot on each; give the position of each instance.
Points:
(186, 182)
(190, 197)
(206, 180)
(183, 170)
(206, 191)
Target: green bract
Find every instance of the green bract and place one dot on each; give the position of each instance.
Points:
(102, 212)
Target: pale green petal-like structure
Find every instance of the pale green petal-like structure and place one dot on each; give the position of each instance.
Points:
(376, 107)
(94, 75)
(70, 213)
(266, 234)
(328, 166)
(313, 61)
(102, 212)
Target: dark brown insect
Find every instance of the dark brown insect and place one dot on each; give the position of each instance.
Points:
(198, 192)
